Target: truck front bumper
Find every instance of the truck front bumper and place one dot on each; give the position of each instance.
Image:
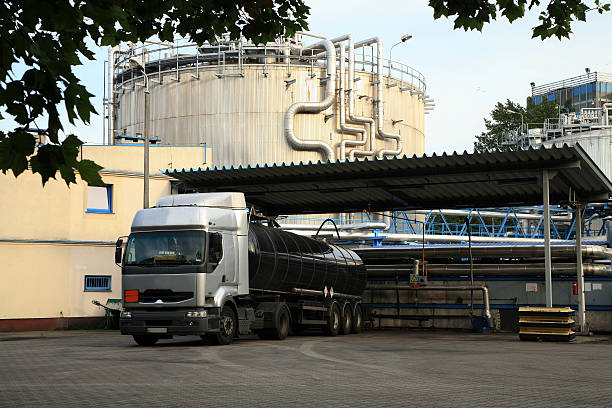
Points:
(169, 323)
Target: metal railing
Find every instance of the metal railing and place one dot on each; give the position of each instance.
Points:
(230, 58)
(571, 82)
(510, 226)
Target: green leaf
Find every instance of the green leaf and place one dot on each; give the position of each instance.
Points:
(89, 172)
(14, 151)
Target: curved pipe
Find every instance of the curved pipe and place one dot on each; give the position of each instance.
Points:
(361, 141)
(351, 107)
(381, 132)
(314, 107)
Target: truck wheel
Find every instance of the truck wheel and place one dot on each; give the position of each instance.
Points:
(282, 328)
(347, 319)
(281, 331)
(357, 319)
(333, 323)
(146, 341)
(227, 328)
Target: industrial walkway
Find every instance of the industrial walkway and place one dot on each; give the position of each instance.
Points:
(375, 368)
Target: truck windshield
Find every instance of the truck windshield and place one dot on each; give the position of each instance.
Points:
(165, 248)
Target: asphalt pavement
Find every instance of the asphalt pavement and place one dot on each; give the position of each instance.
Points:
(390, 368)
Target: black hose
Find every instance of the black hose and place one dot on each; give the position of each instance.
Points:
(323, 223)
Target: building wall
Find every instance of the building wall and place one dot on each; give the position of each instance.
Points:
(49, 241)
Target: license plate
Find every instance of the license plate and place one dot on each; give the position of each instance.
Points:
(157, 330)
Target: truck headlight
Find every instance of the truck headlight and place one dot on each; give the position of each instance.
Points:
(201, 313)
(126, 315)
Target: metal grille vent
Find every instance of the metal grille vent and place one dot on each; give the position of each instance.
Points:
(97, 283)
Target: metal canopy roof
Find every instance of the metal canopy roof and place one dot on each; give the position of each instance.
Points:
(446, 181)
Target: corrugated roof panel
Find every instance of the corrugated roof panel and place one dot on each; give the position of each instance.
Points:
(446, 181)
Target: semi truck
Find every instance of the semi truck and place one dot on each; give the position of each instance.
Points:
(201, 264)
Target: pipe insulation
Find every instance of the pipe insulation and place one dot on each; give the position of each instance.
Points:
(506, 269)
(493, 214)
(351, 107)
(315, 107)
(497, 251)
(362, 139)
(401, 237)
(358, 226)
(379, 107)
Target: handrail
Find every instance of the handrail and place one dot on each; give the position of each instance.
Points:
(234, 53)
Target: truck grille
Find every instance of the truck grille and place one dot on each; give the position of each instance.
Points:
(165, 295)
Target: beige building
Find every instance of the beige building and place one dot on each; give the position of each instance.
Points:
(57, 242)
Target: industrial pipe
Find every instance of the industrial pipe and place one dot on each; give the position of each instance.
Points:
(361, 141)
(400, 237)
(505, 269)
(495, 214)
(351, 107)
(381, 132)
(376, 225)
(112, 51)
(485, 292)
(315, 107)
(514, 251)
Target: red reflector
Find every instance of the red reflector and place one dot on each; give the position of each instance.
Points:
(130, 296)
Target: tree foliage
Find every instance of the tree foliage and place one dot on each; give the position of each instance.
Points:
(50, 38)
(555, 19)
(506, 117)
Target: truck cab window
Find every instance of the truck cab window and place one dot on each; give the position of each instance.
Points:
(215, 248)
(159, 248)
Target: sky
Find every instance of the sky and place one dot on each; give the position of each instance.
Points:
(466, 72)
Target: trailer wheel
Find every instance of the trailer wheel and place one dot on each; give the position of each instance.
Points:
(347, 319)
(333, 323)
(144, 340)
(357, 319)
(227, 328)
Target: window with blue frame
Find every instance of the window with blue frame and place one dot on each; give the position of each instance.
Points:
(576, 91)
(97, 283)
(551, 97)
(538, 100)
(100, 199)
(583, 90)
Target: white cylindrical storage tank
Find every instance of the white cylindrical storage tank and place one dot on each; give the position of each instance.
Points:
(234, 96)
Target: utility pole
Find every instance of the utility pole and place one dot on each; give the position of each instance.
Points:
(147, 97)
(134, 61)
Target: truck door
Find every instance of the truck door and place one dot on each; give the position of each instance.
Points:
(229, 260)
(222, 260)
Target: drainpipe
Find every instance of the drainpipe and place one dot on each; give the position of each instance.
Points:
(351, 108)
(315, 107)
(381, 133)
(361, 141)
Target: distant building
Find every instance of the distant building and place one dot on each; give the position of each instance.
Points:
(590, 90)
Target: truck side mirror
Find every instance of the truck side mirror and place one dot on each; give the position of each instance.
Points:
(118, 251)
